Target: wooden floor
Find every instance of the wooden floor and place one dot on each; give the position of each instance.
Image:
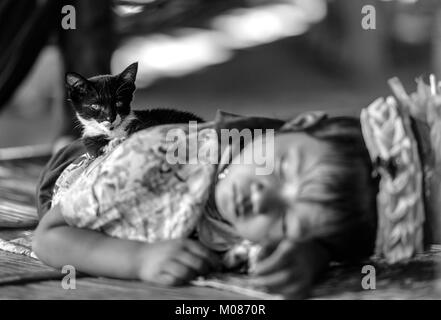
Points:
(16, 286)
(23, 277)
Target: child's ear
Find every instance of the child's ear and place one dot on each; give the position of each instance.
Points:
(129, 74)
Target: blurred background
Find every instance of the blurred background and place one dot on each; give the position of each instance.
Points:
(254, 57)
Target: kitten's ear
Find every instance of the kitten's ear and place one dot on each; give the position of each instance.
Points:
(129, 74)
(74, 80)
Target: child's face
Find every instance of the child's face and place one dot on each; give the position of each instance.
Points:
(263, 207)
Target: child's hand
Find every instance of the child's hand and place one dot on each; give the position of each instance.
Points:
(175, 262)
(291, 268)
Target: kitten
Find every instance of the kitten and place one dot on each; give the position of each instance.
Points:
(102, 105)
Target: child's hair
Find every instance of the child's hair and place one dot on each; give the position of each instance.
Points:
(347, 191)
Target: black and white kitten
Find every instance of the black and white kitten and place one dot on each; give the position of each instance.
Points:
(102, 105)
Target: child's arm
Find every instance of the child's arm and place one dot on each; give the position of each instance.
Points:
(168, 262)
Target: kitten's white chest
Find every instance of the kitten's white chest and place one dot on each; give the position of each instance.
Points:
(92, 128)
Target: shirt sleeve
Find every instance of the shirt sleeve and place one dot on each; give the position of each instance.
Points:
(52, 171)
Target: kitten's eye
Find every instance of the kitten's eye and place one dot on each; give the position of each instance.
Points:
(95, 106)
(119, 104)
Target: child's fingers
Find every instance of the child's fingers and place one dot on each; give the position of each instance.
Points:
(167, 279)
(275, 281)
(203, 252)
(266, 251)
(192, 261)
(180, 272)
(283, 255)
(288, 284)
(296, 291)
(297, 288)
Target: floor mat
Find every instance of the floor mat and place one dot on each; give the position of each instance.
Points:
(18, 269)
(19, 243)
(18, 180)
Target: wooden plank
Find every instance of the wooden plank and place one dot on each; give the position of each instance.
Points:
(420, 278)
(26, 274)
(91, 288)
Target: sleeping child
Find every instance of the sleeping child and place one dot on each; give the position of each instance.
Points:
(130, 213)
